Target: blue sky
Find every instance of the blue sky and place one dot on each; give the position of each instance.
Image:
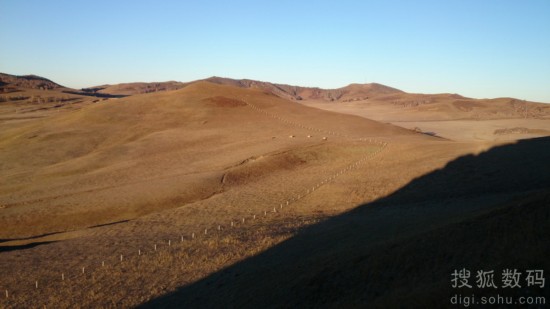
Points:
(478, 48)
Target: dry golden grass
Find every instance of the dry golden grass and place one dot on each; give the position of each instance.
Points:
(401, 249)
(168, 165)
(149, 147)
(137, 278)
(451, 116)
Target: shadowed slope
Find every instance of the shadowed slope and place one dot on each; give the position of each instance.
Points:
(480, 212)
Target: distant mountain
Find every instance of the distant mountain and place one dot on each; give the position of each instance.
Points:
(126, 89)
(9, 83)
(289, 92)
(382, 98)
(441, 106)
(29, 85)
(350, 92)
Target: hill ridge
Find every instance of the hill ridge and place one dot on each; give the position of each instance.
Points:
(10, 82)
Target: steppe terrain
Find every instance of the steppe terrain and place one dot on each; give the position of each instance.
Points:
(227, 193)
(452, 116)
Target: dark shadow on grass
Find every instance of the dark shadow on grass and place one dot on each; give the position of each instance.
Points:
(23, 247)
(484, 212)
(4, 240)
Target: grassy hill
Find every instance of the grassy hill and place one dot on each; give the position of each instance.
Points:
(217, 195)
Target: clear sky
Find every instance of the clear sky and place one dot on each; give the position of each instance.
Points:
(478, 48)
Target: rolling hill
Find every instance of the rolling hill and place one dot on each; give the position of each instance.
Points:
(225, 192)
(11, 83)
(135, 143)
(422, 112)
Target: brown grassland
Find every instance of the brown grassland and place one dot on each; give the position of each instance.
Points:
(224, 194)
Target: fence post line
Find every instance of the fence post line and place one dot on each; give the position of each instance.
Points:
(62, 277)
(36, 284)
(7, 294)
